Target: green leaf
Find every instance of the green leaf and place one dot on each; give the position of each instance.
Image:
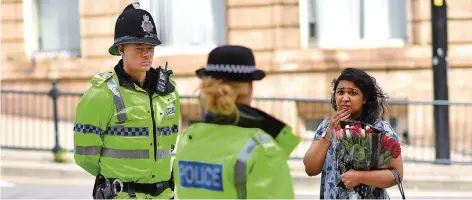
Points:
(388, 160)
(381, 160)
(369, 140)
(345, 143)
(360, 154)
(351, 153)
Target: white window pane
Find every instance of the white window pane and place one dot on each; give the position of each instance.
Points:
(338, 20)
(189, 22)
(376, 26)
(338, 23)
(385, 19)
(397, 19)
(219, 21)
(58, 25)
(313, 20)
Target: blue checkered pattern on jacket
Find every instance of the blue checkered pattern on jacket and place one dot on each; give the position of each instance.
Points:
(168, 130)
(128, 131)
(86, 128)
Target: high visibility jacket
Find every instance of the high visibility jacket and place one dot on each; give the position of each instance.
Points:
(287, 140)
(229, 162)
(125, 133)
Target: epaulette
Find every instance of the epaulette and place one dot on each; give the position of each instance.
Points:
(268, 144)
(99, 79)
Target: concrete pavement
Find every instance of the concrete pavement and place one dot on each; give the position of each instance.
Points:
(33, 189)
(417, 177)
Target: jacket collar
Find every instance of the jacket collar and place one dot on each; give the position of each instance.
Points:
(249, 117)
(125, 79)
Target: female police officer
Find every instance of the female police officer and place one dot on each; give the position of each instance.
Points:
(239, 151)
(126, 123)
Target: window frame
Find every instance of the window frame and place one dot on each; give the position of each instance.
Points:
(32, 33)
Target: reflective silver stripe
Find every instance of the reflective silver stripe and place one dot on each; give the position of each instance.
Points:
(127, 154)
(240, 169)
(119, 104)
(263, 137)
(163, 153)
(241, 165)
(91, 150)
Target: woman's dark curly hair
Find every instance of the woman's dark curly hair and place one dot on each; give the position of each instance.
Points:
(375, 98)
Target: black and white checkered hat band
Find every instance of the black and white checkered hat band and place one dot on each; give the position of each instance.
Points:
(241, 69)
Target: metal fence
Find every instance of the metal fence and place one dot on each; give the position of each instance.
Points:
(32, 120)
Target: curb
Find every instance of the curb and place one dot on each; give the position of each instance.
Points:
(50, 170)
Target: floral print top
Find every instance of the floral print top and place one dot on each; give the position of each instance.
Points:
(330, 174)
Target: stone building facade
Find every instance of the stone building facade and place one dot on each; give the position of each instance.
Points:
(295, 41)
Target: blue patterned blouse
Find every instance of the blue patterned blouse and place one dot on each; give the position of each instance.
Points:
(329, 173)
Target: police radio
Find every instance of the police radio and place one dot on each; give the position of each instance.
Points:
(164, 86)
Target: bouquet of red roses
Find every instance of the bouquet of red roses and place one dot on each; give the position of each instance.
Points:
(364, 147)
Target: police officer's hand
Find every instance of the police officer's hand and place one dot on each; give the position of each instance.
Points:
(337, 117)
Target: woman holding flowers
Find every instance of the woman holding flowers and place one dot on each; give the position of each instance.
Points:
(356, 96)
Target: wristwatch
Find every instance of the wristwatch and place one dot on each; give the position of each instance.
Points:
(326, 136)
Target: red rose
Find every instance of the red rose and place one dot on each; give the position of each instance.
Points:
(356, 130)
(390, 143)
(368, 131)
(358, 126)
(384, 140)
(395, 146)
(396, 153)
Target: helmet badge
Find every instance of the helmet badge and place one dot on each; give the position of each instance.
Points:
(147, 25)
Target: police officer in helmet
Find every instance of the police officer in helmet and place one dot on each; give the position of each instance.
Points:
(239, 151)
(127, 122)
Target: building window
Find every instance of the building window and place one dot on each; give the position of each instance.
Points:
(354, 23)
(312, 25)
(310, 127)
(52, 28)
(393, 123)
(188, 25)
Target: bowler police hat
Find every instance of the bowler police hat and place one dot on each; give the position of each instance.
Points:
(232, 63)
(134, 25)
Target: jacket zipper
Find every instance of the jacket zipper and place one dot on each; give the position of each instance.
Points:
(153, 128)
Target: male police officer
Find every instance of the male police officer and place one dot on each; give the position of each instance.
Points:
(127, 121)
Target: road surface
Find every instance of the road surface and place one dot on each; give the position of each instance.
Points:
(25, 188)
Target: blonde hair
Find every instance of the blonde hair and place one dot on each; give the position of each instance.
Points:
(218, 96)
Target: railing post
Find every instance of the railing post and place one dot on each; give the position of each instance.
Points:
(54, 94)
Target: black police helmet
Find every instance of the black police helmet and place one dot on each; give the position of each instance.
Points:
(134, 25)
